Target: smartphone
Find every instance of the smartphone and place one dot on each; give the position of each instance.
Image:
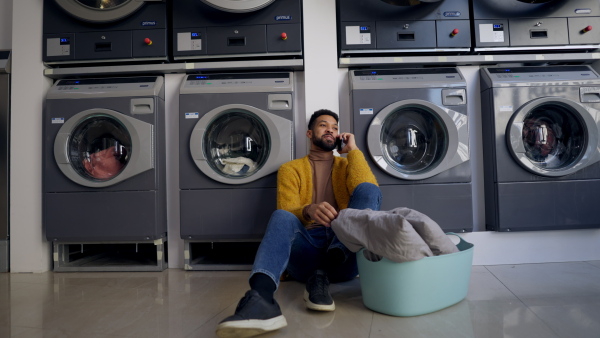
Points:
(340, 145)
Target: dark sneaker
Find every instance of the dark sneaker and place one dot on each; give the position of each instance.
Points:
(316, 294)
(253, 316)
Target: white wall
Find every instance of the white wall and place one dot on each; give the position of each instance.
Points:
(321, 85)
(29, 252)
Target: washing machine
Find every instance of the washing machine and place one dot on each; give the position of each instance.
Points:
(235, 130)
(92, 31)
(233, 29)
(4, 159)
(413, 125)
(104, 160)
(541, 147)
(533, 25)
(403, 26)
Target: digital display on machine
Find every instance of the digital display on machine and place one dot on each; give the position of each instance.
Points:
(538, 69)
(365, 28)
(238, 76)
(106, 81)
(65, 41)
(418, 71)
(196, 36)
(497, 26)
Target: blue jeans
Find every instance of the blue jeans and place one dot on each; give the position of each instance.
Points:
(287, 244)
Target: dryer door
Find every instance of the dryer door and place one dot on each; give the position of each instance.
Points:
(238, 144)
(553, 136)
(99, 11)
(100, 148)
(238, 6)
(415, 139)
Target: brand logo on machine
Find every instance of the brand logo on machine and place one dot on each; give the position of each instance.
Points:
(583, 11)
(283, 18)
(148, 23)
(452, 14)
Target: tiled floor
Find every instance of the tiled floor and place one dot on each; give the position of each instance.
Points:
(529, 301)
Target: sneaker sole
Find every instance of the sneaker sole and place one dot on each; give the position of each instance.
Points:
(317, 307)
(249, 328)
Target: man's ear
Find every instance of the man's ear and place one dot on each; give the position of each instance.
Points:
(309, 134)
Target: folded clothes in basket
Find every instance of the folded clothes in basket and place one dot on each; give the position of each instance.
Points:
(400, 235)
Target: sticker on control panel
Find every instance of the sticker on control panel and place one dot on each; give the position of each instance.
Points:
(191, 115)
(491, 32)
(506, 108)
(358, 35)
(366, 111)
(58, 120)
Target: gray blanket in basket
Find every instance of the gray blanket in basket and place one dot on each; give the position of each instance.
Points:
(400, 235)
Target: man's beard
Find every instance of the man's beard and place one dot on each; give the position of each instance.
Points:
(319, 142)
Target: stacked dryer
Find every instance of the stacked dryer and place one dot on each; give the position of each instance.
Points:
(264, 29)
(413, 125)
(103, 163)
(541, 129)
(521, 25)
(403, 26)
(86, 31)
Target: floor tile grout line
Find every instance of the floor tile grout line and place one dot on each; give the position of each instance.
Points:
(371, 326)
(523, 302)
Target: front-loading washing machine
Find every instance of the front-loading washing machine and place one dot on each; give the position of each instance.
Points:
(541, 147)
(224, 29)
(522, 25)
(413, 123)
(403, 26)
(235, 130)
(91, 31)
(104, 160)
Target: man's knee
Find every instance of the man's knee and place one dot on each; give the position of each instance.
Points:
(283, 220)
(368, 189)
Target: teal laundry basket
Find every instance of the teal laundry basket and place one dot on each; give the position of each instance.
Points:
(419, 287)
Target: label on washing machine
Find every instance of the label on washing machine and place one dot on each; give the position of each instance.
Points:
(58, 120)
(489, 32)
(366, 111)
(358, 35)
(506, 108)
(191, 115)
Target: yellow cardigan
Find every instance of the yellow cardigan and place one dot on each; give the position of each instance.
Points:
(295, 186)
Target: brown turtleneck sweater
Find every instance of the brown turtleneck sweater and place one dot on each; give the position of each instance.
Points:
(321, 163)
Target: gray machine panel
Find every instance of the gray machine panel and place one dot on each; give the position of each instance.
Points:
(518, 198)
(212, 29)
(446, 196)
(514, 25)
(131, 32)
(103, 216)
(4, 159)
(132, 209)
(226, 214)
(437, 201)
(380, 27)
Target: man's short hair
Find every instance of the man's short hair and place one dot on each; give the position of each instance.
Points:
(321, 112)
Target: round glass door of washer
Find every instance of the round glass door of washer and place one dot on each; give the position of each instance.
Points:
(236, 144)
(99, 148)
(413, 139)
(549, 138)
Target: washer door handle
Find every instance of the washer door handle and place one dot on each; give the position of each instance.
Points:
(60, 148)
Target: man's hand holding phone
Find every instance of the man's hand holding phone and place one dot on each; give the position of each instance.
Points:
(345, 143)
